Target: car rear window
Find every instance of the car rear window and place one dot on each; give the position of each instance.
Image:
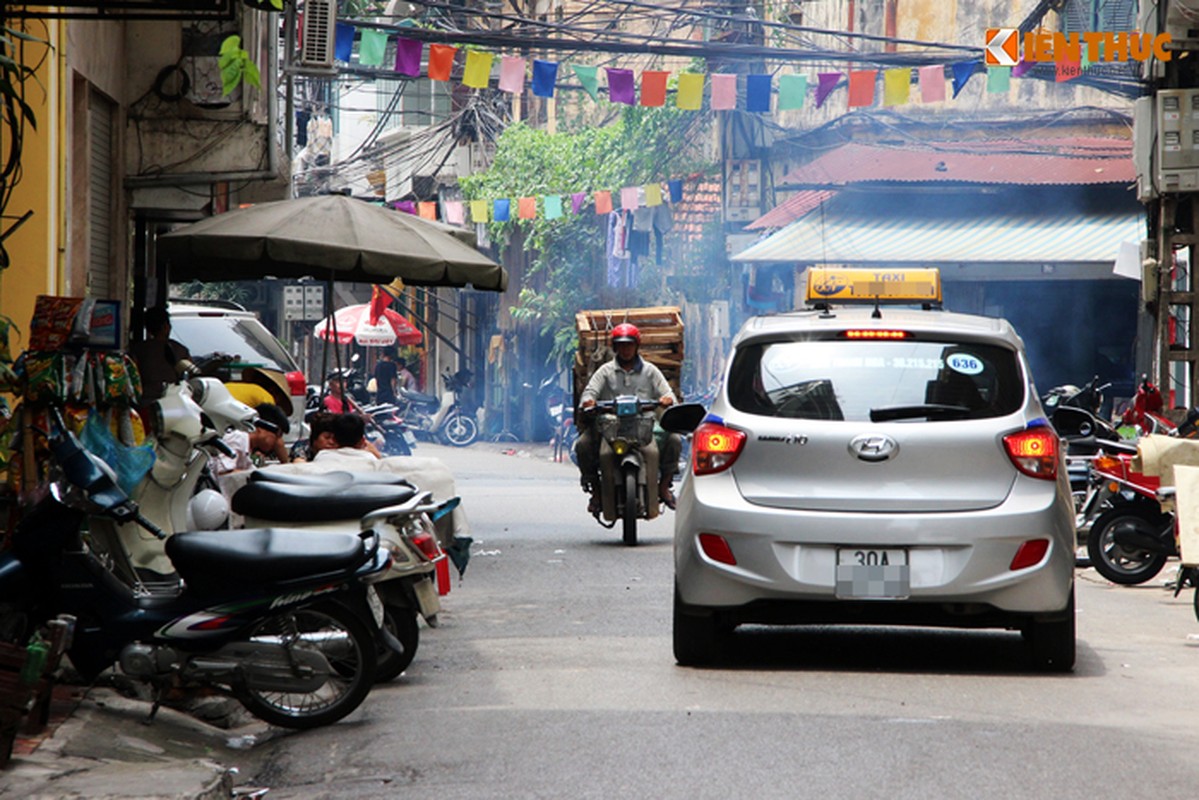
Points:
(875, 380)
(245, 338)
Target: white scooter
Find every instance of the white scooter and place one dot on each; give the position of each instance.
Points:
(441, 417)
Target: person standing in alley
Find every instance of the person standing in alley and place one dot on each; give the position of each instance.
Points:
(385, 378)
(157, 354)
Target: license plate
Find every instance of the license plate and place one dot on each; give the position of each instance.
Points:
(865, 573)
(426, 598)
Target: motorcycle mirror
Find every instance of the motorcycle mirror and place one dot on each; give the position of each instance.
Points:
(683, 417)
(1070, 421)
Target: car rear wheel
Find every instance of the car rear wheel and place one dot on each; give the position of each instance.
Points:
(1052, 643)
(698, 640)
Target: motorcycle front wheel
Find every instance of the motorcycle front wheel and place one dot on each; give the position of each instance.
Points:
(629, 515)
(1119, 564)
(347, 645)
(460, 430)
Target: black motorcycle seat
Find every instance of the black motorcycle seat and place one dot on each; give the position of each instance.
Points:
(338, 478)
(420, 399)
(261, 555)
(285, 502)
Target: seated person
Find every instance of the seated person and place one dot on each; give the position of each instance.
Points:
(348, 434)
(264, 442)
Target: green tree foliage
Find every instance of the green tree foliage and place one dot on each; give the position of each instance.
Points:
(567, 255)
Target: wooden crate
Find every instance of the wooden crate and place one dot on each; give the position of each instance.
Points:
(661, 341)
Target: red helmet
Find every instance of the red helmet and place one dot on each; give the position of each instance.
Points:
(626, 333)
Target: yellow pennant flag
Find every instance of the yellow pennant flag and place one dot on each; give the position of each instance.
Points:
(478, 210)
(690, 95)
(653, 194)
(477, 73)
(897, 85)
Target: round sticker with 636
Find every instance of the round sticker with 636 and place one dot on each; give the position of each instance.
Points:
(965, 364)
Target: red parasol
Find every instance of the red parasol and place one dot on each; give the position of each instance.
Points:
(352, 324)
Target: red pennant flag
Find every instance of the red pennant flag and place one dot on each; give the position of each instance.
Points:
(381, 297)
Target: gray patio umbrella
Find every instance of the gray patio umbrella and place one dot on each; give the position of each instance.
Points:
(328, 236)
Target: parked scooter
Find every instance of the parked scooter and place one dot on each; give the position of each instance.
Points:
(442, 417)
(387, 429)
(387, 504)
(1130, 542)
(278, 618)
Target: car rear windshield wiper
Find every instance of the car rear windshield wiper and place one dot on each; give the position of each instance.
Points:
(928, 410)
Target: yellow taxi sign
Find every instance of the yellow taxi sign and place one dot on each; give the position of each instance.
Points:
(914, 285)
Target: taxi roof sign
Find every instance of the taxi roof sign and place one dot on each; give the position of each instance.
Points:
(876, 286)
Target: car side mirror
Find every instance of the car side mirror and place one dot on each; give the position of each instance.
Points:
(683, 417)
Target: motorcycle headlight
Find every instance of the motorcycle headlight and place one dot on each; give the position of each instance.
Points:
(620, 446)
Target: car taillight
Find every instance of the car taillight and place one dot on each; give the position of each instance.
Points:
(296, 385)
(715, 448)
(1034, 452)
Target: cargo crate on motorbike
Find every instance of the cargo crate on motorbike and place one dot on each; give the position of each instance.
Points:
(661, 341)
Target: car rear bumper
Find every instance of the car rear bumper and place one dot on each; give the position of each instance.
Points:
(785, 569)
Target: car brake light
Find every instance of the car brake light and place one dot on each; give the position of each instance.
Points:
(1030, 554)
(1034, 452)
(715, 448)
(871, 334)
(717, 548)
(296, 385)
(427, 545)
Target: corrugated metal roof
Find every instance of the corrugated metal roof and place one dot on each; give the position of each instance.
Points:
(790, 209)
(995, 238)
(1067, 161)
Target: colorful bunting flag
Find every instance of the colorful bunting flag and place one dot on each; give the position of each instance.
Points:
(553, 206)
(501, 209)
(603, 202)
(1022, 68)
(455, 212)
(478, 210)
(512, 74)
(897, 86)
(406, 206)
(999, 79)
(676, 190)
(545, 77)
(861, 87)
(757, 93)
(477, 73)
(343, 46)
(526, 208)
(690, 96)
(621, 88)
(628, 198)
(792, 90)
(587, 77)
(827, 81)
(962, 73)
(653, 194)
(372, 47)
(441, 61)
(724, 92)
(932, 84)
(653, 88)
(428, 210)
(408, 57)
(577, 200)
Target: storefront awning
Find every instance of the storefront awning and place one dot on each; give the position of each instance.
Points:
(832, 238)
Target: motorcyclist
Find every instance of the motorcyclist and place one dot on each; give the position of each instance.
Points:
(626, 373)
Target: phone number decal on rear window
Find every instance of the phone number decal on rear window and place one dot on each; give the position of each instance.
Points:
(916, 363)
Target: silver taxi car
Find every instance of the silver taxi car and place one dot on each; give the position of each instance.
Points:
(875, 465)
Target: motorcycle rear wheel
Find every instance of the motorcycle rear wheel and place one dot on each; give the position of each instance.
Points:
(348, 646)
(400, 622)
(460, 430)
(1119, 564)
(629, 514)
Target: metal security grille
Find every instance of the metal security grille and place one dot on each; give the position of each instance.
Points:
(99, 196)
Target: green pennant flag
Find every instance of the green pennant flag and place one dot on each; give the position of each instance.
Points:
(372, 47)
(999, 79)
(792, 90)
(587, 77)
(553, 206)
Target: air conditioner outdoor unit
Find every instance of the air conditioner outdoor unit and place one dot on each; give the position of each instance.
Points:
(319, 34)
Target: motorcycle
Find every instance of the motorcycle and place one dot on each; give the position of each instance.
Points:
(628, 472)
(279, 619)
(401, 514)
(442, 417)
(1130, 542)
(560, 416)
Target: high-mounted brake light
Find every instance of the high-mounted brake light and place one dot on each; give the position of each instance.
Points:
(1034, 452)
(715, 447)
(875, 334)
